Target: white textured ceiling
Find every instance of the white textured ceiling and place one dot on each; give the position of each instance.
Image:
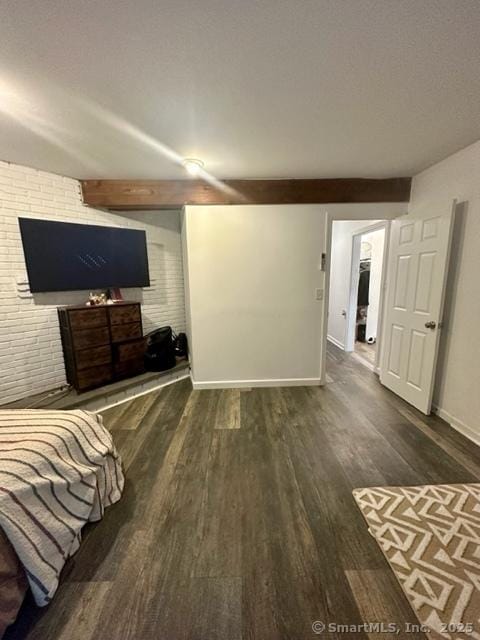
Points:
(255, 88)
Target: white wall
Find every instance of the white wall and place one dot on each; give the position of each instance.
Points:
(252, 275)
(457, 388)
(377, 241)
(367, 212)
(340, 276)
(31, 359)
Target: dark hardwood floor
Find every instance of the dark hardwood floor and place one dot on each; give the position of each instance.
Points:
(238, 520)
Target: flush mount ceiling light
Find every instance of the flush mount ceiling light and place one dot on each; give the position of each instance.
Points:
(193, 166)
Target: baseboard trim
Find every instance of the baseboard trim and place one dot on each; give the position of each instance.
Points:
(242, 384)
(458, 425)
(336, 342)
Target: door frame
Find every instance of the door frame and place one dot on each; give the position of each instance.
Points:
(353, 294)
(325, 263)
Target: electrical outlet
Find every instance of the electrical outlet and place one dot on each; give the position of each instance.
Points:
(319, 294)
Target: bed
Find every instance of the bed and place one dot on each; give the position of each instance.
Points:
(58, 471)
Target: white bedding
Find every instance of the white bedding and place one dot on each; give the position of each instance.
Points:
(58, 470)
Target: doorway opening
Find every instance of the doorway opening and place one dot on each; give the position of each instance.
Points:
(366, 300)
(357, 277)
(411, 305)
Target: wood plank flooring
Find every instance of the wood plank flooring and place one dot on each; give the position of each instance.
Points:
(238, 521)
(366, 351)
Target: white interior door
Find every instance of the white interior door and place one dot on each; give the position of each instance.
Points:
(418, 262)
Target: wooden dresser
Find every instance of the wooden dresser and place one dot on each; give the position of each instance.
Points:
(101, 344)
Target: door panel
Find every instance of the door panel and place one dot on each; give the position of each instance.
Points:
(401, 283)
(415, 358)
(395, 350)
(419, 251)
(426, 271)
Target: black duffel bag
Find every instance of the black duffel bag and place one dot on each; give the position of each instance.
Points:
(160, 352)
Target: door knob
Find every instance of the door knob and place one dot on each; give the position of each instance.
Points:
(431, 324)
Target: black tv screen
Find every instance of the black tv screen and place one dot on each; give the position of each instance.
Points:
(62, 256)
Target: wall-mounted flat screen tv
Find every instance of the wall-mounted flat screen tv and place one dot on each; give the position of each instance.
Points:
(62, 256)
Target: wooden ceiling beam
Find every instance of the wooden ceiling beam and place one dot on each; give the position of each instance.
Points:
(162, 194)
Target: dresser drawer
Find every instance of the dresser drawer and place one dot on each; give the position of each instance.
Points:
(124, 314)
(129, 367)
(93, 357)
(88, 318)
(130, 350)
(94, 376)
(122, 332)
(90, 338)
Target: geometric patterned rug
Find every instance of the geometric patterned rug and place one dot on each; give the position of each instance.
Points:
(430, 536)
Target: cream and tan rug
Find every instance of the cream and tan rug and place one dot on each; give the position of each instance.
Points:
(430, 535)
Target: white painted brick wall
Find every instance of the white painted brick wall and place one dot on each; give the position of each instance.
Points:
(31, 359)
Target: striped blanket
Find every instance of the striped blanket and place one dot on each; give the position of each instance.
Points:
(58, 470)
